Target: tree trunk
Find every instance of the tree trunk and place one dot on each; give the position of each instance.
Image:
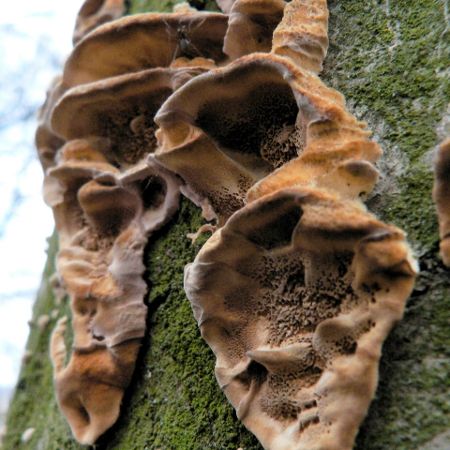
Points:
(390, 60)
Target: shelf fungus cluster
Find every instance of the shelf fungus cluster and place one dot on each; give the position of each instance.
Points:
(297, 287)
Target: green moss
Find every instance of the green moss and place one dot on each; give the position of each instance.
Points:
(176, 403)
(33, 404)
(389, 63)
(390, 66)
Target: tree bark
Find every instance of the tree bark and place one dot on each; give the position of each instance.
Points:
(390, 60)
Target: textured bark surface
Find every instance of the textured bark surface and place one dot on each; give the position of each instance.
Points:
(390, 60)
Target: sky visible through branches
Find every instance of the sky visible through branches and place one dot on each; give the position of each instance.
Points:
(35, 37)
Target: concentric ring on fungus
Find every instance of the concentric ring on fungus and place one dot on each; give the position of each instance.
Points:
(295, 295)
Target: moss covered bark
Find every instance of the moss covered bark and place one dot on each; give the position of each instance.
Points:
(390, 59)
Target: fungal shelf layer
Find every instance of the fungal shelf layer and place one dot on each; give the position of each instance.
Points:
(298, 286)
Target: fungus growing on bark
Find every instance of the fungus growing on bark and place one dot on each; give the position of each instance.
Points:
(250, 26)
(441, 195)
(302, 35)
(295, 296)
(104, 218)
(94, 13)
(145, 41)
(120, 109)
(246, 120)
(298, 289)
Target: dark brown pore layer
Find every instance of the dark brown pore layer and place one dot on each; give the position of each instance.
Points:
(243, 123)
(132, 129)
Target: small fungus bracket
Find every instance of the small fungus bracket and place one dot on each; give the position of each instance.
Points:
(261, 118)
(104, 218)
(295, 296)
(145, 41)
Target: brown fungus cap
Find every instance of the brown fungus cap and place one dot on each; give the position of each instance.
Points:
(302, 35)
(441, 196)
(145, 41)
(47, 144)
(90, 388)
(226, 129)
(295, 296)
(46, 141)
(120, 109)
(103, 219)
(94, 13)
(97, 229)
(95, 206)
(334, 159)
(79, 161)
(250, 26)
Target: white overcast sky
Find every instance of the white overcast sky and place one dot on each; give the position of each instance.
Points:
(35, 36)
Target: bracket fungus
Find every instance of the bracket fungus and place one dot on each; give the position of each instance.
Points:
(145, 41)
(295, 296)
(120, 109)
(337, 161)
(94, 13)
(47, 144)
(248, 119)
(104, 218)
(297, 287)
(90, 388)
(441, 195)
(297, 30)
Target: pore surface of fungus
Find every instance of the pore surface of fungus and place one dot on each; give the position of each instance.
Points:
(229, 128)
(295, 295)
(120, 109)
(441, 195)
